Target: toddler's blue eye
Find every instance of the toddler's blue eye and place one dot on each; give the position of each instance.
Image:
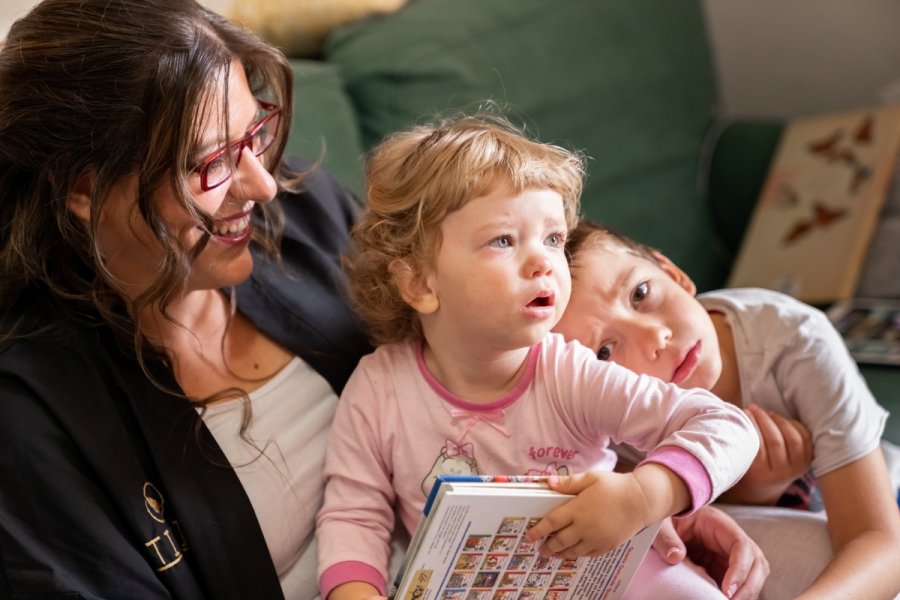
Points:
(504, 241)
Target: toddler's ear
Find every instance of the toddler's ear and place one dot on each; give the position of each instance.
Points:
(413, 286)
(680, 277)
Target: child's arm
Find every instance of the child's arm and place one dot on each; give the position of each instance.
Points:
(826, 392)
(354, 525)
(785, 453)
(716, 542)
(698, 444)
(649, 493)
(657, 418)
(864, 526)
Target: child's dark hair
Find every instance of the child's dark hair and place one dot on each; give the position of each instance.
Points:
(588, 234)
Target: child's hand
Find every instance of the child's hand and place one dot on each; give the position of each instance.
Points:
(607, 510)
(785, 453)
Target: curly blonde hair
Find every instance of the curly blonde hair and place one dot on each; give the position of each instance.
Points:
(415, 178)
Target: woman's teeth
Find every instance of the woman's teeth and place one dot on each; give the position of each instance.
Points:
(231, 228)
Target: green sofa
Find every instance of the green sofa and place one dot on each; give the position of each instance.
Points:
(631, 83)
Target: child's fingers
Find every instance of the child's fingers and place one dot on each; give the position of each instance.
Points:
(797, 440)
(762, 455)
(769, 433)
(569, 542)
(551, 525)
(571, 484)
(560, 517)
(561, 543)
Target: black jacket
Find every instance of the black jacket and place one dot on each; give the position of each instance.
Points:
(104, 489)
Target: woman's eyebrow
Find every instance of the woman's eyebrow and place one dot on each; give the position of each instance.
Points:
(210, 146)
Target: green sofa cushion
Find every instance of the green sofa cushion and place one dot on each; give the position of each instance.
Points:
(324, 124)
(738, 167)
(628, 82)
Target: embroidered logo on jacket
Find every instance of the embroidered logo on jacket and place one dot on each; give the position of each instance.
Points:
(168, 547)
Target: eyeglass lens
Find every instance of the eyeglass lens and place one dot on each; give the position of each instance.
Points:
(221, 167)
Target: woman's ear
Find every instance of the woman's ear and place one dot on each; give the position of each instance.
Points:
(680, 277)
(414, 287)
(78, 200)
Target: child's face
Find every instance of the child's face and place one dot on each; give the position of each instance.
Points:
(500, 277)
(642, 316)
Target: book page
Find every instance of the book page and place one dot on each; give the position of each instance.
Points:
(473, 549)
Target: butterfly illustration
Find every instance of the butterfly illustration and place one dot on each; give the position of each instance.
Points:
(831, 149)
(822, 217)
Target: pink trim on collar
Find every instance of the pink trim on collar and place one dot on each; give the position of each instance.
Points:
(504, 401)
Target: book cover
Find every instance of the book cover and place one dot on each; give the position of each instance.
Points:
(820, 204)
(470, 546)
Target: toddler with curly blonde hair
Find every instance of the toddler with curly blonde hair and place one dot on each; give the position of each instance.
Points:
(459, 269)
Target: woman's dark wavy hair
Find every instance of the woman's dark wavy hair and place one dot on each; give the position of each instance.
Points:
(111, 88)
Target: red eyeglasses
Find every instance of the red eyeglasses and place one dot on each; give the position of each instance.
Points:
(218, 167)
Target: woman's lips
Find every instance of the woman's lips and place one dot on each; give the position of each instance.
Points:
(687, 365)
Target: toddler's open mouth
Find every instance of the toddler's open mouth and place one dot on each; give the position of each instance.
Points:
(543, 299)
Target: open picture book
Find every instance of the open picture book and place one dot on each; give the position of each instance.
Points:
(822, 201)
(470, 545)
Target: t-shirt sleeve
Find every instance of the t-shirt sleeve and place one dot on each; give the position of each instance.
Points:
(821, 382)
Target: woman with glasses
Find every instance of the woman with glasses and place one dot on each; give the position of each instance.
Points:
(172, 333)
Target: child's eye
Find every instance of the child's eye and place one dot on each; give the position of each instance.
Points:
(503, 241)
(606, 350)
(556, 240)
(640, 293)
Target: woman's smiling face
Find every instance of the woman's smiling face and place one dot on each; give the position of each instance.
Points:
(134, 255)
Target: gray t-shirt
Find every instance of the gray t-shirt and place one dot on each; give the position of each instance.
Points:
(792, 361)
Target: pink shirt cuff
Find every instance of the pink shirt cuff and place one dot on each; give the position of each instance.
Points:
(689, 469)
(347, 571)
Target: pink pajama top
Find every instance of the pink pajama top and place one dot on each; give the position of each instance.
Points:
(397, 428)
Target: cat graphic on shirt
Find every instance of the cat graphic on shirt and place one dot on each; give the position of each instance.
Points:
(453, 459)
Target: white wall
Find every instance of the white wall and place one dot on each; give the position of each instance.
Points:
(10, 10)
(784, 58)
(776, 58)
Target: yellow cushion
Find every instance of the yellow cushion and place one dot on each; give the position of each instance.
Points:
(299, 27)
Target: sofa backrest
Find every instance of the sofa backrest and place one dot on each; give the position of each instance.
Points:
(630, 83)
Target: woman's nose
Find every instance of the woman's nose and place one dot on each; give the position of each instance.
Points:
(252, 180)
